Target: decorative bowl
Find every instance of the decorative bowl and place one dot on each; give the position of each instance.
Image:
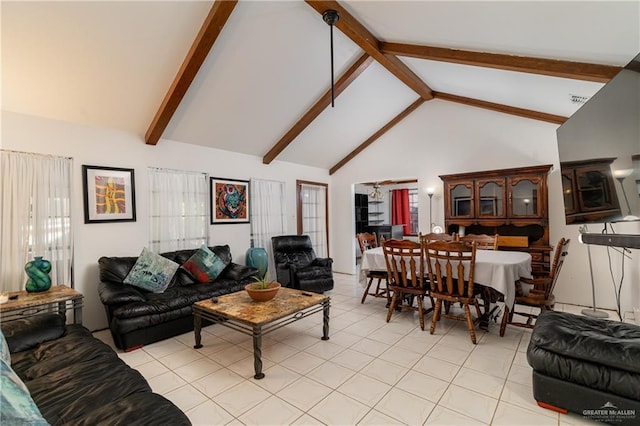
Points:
(262, 294)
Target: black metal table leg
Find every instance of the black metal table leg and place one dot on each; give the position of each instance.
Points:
(325, 320)
(257, 352)
(197, 326)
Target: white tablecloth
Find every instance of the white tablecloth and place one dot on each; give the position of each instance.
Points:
(496, 269)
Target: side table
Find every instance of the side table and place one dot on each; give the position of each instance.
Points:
(58, 299)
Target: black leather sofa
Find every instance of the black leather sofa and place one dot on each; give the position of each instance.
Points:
(587, 366)
(76, 379)
(297, 265)
(137, 317)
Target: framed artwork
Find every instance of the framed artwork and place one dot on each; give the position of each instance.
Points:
(488, 206)
(229, 201)
(462, 206)
(109, 194)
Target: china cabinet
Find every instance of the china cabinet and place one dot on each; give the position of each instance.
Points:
(508, 202)
(589, 190)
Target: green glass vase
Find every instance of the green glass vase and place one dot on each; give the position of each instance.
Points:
(257, 257)
(38, 271)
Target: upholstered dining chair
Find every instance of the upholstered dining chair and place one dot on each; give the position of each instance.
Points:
(406, 275)
(483, 241)
(540, 295)
(368, 241)
(451, 267)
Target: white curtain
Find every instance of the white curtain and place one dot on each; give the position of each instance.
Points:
(178, 209)
(268, 215)
(314, 216)
(36, 217)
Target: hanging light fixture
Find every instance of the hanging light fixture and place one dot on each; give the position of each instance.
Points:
(331, 17)
(376, 194)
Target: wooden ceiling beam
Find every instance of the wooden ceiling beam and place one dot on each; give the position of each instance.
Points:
(343, 82)
(207, 36)
(398, 118)
(520, 112)
(367, 42)
(551, 67)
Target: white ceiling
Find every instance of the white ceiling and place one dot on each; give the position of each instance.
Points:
(110, 64)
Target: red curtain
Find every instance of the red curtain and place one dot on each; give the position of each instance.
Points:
(400, 209)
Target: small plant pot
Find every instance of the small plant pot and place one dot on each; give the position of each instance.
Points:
(262, 295)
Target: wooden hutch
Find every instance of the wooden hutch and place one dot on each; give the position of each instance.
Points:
(508, 202)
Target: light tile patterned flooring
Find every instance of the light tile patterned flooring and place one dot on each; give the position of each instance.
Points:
(370, 372)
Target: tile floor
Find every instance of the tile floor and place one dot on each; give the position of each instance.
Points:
(370, 372)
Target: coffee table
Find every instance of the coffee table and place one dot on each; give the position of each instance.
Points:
(239, 312)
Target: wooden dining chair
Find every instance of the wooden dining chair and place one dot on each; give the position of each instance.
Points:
(367, 241)
(406, 277)
(451, 268)
(540, 295)
(483, 241)
(427, 238)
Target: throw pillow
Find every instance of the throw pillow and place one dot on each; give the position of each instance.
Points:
(17, 405)
(204, 265)
(151, 272)
(5, 355)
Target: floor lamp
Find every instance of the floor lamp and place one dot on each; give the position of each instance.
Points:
(430, 191)
(591, 312)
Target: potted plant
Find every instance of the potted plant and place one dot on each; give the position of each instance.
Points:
(263, 289)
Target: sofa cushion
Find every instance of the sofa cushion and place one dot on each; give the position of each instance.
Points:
(151, 272)
(27, 333)
(17, 405)
(204, 265)
(5, 355)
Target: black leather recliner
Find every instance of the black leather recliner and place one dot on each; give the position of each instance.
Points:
(297, 265)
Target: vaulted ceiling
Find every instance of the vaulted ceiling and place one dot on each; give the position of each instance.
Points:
(254, 77)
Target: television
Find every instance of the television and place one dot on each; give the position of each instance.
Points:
(599, 152)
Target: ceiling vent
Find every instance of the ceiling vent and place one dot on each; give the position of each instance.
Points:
(577, 99)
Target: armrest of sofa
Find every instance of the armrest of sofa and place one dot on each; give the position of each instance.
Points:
(117, 293)
(238, 272)
(322, 261)
(29, 332)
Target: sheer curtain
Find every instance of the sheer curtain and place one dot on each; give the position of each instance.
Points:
(178, 210)
(36, 217)
(268, 215)
(314, 216)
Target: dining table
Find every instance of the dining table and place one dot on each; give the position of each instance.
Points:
(497, 269)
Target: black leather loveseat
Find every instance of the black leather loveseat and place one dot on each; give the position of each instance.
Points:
(137, 317)
(588, 366)
(74, 378)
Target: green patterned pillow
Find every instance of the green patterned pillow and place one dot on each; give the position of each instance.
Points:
(17, 405)
(204, 265)
(5, 355)
(151, 272)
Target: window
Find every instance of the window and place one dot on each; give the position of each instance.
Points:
(36, 217)
(313, 216)
(413, 210)
(178, 210)
(268, 215)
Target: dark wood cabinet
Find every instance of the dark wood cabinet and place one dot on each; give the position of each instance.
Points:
(511, 202)
(589, 190)
(362, 212)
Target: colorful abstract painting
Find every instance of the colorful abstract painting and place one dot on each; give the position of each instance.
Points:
(109, 194)
(229, 201)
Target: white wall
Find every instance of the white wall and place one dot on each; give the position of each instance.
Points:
(106, 147)
(443, 138)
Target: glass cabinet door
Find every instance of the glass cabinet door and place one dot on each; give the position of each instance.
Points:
(523, 197)
(461, 200)
(568, 192)
(490, 197)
